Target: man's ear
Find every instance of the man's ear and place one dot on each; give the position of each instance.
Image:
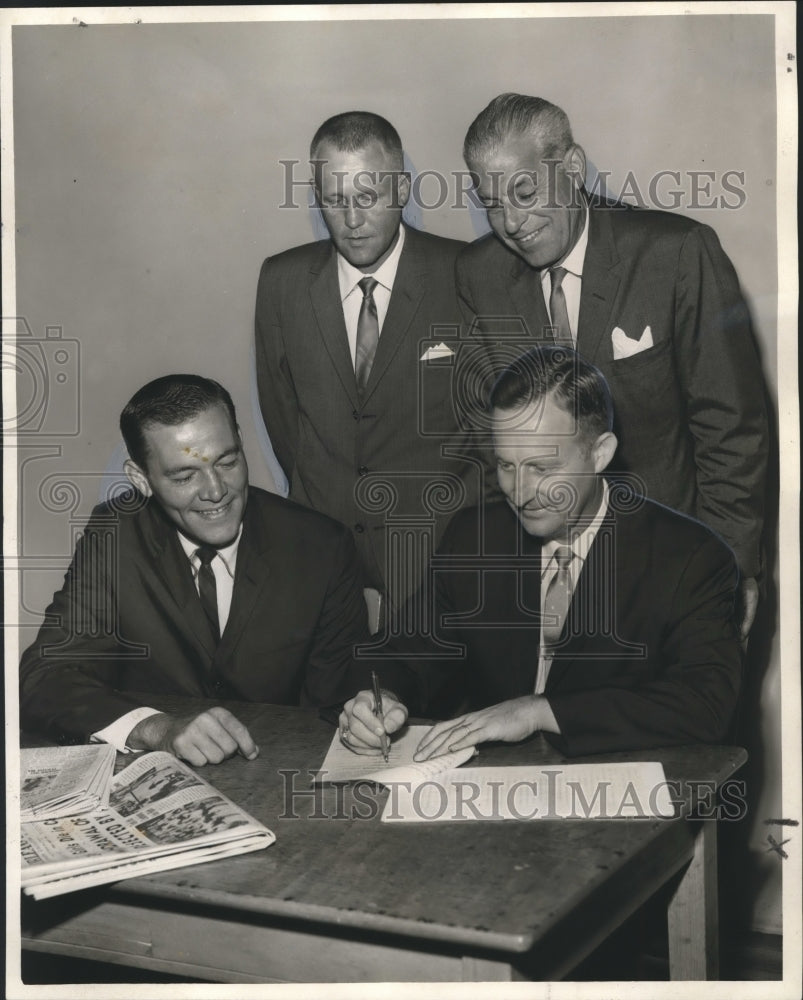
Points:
(137, 477)
(603, 451)
(403, 189)
(574, 163)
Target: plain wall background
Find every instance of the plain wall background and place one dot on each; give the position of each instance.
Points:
(148, 187)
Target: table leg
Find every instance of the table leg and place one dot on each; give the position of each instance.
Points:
(693, 919)
(483, 970)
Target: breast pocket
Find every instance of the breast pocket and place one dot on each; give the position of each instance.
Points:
(644, 359)
(646, 395)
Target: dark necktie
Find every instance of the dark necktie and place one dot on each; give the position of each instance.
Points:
(558, 597)
(367, 333)
(207, 588)
(557, 307)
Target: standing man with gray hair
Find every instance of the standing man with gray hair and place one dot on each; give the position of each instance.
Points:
(355, 339)
(648, 297)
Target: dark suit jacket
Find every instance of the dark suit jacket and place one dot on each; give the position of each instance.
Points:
(690, 414)
(649, 654)
(332, 444)
(128, 618)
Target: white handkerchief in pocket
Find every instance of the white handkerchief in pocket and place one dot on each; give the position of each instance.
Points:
(438, 351)
(626, 347)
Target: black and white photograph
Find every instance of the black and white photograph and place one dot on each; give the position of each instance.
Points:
(368, 367)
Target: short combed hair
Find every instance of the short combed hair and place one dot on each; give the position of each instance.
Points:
(517, 114)
(353, 130)
(560, 373)
(169, 400)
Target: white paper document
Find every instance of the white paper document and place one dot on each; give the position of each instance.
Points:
(561, 791)
(342, 764)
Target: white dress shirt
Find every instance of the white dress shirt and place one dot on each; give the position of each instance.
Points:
(351, 295)
(580, 546)
(572, 281)
(223, 566)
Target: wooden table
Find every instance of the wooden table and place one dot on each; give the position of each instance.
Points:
(340, 898)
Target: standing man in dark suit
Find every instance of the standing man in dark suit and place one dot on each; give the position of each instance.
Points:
(649, 297)
(580, 609)
(196, 584)
(356, 339)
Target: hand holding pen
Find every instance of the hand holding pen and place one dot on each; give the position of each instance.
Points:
(380, 716)
(369, 719)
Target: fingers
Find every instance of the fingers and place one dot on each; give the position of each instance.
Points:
(237, 731)
(364, 731)
(395, 717)
(213, 736)
(446, 736)
(360, 730)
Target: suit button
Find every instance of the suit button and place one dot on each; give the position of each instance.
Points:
(355, 414)
(362, 471)
(359, 528)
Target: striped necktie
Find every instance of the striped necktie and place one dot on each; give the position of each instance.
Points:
(558, 312)
(367, 333)
(558, 597)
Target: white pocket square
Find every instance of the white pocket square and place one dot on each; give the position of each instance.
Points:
(438, 351)
(626, 347)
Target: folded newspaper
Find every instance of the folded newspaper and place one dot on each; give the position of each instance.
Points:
(160, 815)
(63, 781)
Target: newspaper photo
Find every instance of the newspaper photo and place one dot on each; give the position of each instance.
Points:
(157, 808)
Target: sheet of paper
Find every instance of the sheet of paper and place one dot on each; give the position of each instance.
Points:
(563, 791)
(341, 764)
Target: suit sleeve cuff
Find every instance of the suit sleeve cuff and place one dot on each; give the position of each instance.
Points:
(117, 732)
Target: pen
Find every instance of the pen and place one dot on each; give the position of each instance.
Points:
(380, 714)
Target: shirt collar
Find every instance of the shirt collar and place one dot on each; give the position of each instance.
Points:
(349, 276)
(228, 555)
(580, 544)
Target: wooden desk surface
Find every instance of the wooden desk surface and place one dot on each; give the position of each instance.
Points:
(496, 887)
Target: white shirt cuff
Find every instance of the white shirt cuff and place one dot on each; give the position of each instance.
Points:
(117, 732)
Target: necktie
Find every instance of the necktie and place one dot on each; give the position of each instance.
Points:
(558, 597)
(557, 307)
(207, 588)
(367, 333)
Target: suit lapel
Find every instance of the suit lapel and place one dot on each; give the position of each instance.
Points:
(591, 623)
(172, 570)
(250, 577)
(600, 284)
(325, 295)
(409, 287)
(527, 298)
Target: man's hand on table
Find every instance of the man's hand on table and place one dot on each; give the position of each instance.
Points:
(361, 731)
(207, 738)
(509, 721)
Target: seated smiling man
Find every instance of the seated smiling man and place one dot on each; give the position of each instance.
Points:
(583, 610)
(195, 584)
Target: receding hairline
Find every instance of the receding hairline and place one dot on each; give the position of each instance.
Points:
(583, 425)
(544, 149)
(149, 423)
(512, 115)
(355, 131)
(395, 157)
